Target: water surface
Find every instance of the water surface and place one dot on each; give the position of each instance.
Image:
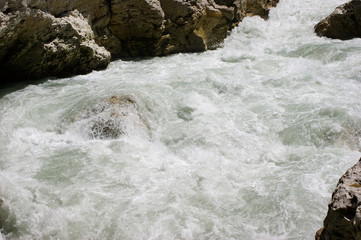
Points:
(245, 142)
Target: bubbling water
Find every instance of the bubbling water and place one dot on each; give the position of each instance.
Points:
(109, 119)
(245, 142)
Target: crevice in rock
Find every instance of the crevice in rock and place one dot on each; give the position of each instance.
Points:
(7, 11)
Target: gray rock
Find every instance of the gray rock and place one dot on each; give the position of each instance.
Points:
(110, 119)
(344, 23)
(343, 220)
(35, 44)
(7, 221)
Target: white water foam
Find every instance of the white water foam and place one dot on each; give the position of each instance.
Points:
(245, 142)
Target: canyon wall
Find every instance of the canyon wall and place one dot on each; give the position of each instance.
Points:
(41, 38)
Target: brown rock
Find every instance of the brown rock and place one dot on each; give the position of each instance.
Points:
(137, 24)
(159, 27)
(151, 28)
(344, 211)
(257, 7)
(41, 38)
(344, 23)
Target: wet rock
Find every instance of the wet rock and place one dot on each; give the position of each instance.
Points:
(3, 214)
(7, 222)
(344, 23)
(343, 220)
(111, 118)
(185, 113)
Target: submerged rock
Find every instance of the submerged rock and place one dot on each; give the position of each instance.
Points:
(7, 222)
(111, 118)
(343, 220)
(3, 214)
(344, 23)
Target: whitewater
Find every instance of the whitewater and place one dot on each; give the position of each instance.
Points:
(244, 142)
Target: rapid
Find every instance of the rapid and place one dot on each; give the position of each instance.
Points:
(244, 142)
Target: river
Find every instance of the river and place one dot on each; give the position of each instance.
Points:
(244, 142)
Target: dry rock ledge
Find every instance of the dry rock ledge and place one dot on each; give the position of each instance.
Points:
(41, 38)
(344, 23)
(343, 220)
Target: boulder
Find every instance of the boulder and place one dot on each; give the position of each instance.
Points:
(343, 220)
(162, 27)
(344, 23)
(110, 119)
(169, 26)
(35, 44)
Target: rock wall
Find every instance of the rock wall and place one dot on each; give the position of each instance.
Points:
(35, 44)
(344, 23)
(257, 7)
(40, 38)
(343, 220)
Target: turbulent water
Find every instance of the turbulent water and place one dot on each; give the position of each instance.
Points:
(245, 142)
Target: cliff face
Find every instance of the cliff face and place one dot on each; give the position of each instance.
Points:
(344, 23)
(343, 220)
(35, 43)
(41, 38)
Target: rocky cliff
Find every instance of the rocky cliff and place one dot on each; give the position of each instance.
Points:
(344, 23)
(41, 38)
(343, 220)
(34, 43)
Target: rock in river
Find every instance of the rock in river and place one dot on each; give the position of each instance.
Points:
(343, 220)
(110, 119)
(344, 23)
